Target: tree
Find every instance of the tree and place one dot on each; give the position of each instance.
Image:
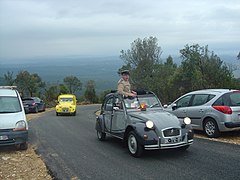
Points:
(90, 93)
(140, 60)
(9, 79)
(62, 89)
(238, 56)
(201, 69)
(28, 84)
(72, 83)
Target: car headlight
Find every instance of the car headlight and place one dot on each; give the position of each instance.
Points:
(149, 124)
(187, 120)
(20, 126)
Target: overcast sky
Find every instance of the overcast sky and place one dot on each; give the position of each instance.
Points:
(42, 28)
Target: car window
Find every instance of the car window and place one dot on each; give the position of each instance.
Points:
(184, 102)
(229, 99)
(9, 105)
(199, 99)
(118, 103)
(66, 99)
(234, 99)
(109, 104)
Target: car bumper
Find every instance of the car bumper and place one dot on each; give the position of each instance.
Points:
(65, 110)
(232, 124)
(10, 137)
(165, 144)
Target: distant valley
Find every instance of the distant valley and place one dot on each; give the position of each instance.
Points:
(103, 70)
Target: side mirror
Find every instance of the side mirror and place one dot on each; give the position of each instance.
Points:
(174, 107)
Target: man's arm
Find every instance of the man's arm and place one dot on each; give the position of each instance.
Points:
(120, 91)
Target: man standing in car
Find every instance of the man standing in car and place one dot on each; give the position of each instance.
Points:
(124, 86)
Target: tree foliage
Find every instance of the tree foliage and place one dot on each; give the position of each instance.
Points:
(90, 93)
(9, 78)
(72, 83)
(141, 59)
(28, 84)
(199, 69)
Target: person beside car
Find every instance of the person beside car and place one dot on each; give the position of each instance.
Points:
(124, 86)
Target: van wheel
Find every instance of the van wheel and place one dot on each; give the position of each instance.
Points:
(211, 128)
(23, 146)
(134, 147)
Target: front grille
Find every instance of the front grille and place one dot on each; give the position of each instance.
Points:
(171, 132)
(65, 109)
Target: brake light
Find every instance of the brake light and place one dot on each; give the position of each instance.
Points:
(223, 109)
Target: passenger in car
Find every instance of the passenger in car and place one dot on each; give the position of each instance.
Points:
(124, 86)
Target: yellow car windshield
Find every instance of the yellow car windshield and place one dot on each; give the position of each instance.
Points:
(66, 99)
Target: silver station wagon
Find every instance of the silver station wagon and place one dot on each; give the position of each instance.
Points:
(142, 123)
(211, 110)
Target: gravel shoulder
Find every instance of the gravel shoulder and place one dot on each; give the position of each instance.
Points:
(28, 165)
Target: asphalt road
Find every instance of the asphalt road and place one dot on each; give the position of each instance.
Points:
(71, 150)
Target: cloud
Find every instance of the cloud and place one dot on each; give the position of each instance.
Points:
(32, 27)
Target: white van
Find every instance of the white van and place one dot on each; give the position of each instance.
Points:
(13, 123)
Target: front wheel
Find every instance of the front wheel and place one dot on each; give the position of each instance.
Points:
(211, 128)
(134, 147)
(36, 109)
(101, 136)
(23, 146)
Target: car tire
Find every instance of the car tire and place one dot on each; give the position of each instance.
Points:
(211, 128)
(36, 110)
(101, 135)
(23, 146)
(184, 148)
(134, 147)
(74, 114)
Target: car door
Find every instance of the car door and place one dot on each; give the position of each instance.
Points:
(179, 108)
(108, 113)
(118, 118)
(197, 109)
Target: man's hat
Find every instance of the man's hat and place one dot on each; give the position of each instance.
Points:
(125, 72)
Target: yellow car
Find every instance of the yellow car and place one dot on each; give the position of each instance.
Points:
(67, 104)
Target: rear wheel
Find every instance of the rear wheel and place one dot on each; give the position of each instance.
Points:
(134, 147)
(101, 135)
(211, 128)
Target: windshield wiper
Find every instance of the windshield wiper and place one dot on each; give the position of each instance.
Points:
(154, 105)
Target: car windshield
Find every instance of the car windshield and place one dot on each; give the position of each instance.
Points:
(9, 105)
(66, 99)
(150, 101)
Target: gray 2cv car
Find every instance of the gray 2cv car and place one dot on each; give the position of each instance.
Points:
(142, 123)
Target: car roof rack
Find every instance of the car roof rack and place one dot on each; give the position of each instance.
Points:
(8, 87)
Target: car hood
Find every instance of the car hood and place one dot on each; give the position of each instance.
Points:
(9, 120)
(161, 119)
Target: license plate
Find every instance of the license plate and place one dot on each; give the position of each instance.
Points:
(2, 138)
(172, 140)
